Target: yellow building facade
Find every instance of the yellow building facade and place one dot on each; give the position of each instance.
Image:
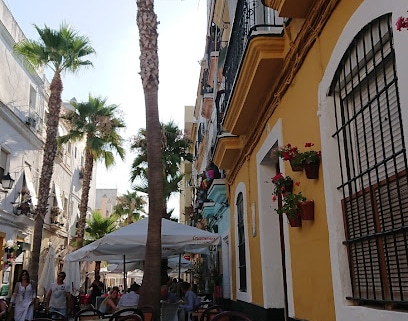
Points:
(326, 72)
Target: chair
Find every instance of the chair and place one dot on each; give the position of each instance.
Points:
(169, 311)
(55, 315)
(88, 314)
(209, 313)
(118, 315)
(231, 316)
(148, 312)
(98, 301)
(124, 307)
(131, 317)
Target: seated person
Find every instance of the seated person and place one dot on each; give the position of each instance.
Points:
(110, 304)
(130, 299)
(3, 309)
(166, 295)
(191, 300)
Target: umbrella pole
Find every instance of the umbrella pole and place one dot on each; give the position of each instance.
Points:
(124, 272)
(179, 274)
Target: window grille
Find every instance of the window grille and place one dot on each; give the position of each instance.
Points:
(373, 167)
(241, 244)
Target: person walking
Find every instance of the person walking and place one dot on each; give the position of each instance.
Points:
(59, 296)
(23, 298)
(97, 288)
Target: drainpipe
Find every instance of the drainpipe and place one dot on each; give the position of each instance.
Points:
(283, 255)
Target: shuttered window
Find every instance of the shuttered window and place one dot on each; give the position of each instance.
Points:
(241, 244)
(373, 167)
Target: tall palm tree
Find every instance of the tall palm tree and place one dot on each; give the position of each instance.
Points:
(175, 147)
(61, 50)
(96, 227)
(149, 71)
(99, 124)
(130, 205)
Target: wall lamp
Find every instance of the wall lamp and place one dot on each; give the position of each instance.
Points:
(7, 182)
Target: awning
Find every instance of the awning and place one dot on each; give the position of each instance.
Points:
(30, 185)
(58, 196)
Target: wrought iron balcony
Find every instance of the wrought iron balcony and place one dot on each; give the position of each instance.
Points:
(252, 19)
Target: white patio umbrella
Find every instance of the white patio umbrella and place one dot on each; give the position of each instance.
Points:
(129, 242)
(176, 262)
(73, 278)
(48, 273)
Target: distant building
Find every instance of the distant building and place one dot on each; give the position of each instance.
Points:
(24, 98)
(185, 168)
(105, 200)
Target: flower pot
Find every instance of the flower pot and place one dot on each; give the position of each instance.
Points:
(312, 169)
(296, 220)
(288, 187)
(307, 212)
(296, 167)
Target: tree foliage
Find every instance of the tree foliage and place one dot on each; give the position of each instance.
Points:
(62, 50)
(99, 124)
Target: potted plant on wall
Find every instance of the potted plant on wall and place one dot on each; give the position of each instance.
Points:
(283, 184)
(307, 207)
(291, 153)
(291, 207)
(311, 161)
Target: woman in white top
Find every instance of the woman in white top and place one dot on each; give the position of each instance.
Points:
(23, 298)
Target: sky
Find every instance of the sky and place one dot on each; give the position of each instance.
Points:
(111, 27)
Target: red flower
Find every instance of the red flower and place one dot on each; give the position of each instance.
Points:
(274, 198)
(277, 177)
(309, 144)
(287, 152)
(401, 23)
(297, 183)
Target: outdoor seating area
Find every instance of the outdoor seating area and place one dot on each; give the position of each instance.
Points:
(206, 311)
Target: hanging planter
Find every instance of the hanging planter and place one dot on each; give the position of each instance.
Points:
(295, 166)
(312, 169)
(295, 219)
(283, 184)
(311, 162)
(307, 210)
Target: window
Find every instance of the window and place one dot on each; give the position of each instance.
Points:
(3, 162)
(33, 98)
(241, 243)
(373, 167)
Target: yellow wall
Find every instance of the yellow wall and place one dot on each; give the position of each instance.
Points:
(309, 245)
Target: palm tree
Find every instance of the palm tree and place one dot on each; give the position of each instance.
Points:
(130, 205)
(175, 147)
(149, 72)
(98, 123)
(96, 227)
(61, 50)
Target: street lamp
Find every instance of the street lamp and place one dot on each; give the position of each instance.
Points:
(7, 182)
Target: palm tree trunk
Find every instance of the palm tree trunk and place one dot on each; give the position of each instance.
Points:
(132, 208)
(149, 71)
(50, 150)
(83, 207)
(97, 268)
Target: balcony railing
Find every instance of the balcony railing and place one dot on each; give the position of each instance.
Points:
(251, 19)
